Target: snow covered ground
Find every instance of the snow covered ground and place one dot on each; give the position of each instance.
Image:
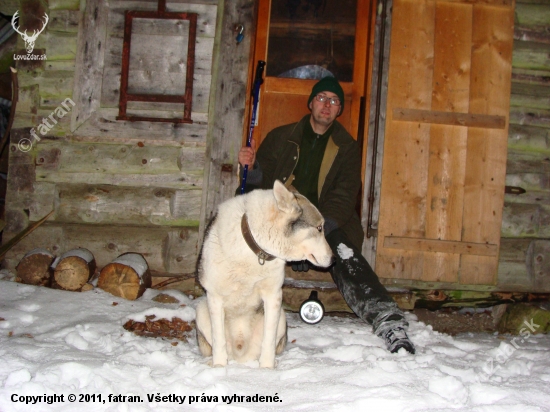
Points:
(64, 344)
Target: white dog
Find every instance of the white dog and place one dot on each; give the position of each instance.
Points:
(241, 267)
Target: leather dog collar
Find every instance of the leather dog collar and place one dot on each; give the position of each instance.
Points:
(258, 251)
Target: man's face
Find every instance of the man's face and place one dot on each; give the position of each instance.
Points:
(324, 113)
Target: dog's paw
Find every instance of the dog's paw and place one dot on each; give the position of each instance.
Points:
(219, 362)
(268, 363)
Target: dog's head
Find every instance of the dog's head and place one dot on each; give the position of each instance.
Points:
(299, 228)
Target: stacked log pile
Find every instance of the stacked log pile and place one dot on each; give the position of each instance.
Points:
(128, 276)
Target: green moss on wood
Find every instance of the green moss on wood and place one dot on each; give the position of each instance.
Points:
(64, 4)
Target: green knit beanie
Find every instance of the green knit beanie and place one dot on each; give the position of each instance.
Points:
(328, 84)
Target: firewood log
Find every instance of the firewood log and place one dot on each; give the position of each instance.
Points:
(73, 269)
(127, 276)
(34, 268)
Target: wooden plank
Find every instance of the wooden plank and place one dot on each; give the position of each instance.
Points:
(449, 118)
(89, 61)
(531, 55)
(486, 160)
(103, 123)
(64, 21)
(114, 158)
(440, 246)
(405, 174)
(447, 147)
(120, 205)
(180, 180)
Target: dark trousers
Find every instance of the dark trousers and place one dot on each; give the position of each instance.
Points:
(361, 288)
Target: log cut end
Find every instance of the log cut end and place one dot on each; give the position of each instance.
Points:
(123, 281)
(73, 272)
(34, 269)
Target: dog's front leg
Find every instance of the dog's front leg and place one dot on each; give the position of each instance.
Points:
(272, 312)
(217, 318)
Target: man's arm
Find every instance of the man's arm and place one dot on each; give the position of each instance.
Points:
(338, 204)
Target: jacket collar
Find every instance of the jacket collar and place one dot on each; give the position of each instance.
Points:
(339, 133)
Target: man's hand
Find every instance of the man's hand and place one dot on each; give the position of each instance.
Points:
(301, 266)
(247, 155)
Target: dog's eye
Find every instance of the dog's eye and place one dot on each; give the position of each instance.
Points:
(320, 228)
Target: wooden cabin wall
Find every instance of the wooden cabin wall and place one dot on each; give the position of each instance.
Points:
(114, 186)
(524, 262)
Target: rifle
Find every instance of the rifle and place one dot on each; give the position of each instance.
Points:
(258, 80)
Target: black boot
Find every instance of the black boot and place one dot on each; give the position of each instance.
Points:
(396, 339)
(364, 293)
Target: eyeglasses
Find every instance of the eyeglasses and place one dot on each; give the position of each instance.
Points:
(323, 98)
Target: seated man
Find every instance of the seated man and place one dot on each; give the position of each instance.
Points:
(320, 159)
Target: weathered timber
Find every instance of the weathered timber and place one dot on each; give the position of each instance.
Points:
(28, 100)
(127, 205)
(64, 21)
(525, 220)
(64, 4)
(530, 96)
(206, 22)
(513, 273)
(34, 268)
(532, 15)
(103, 122)
(530, 116)
(528, 137)
(55, 84)
(128, 276)
(230, 74)
(115, 158)
(531, 76)
(522, 161)
(89, 61)
(42, 200)
(531, 55)
(73, 269)
(173, 180)
(538, 264)
(159, 82)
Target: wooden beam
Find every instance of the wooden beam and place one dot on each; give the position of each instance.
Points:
(227, 105)
(449, 118)
(442, 246)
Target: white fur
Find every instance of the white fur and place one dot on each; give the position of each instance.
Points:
(230, 322)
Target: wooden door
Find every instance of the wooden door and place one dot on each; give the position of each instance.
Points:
(445, 143)
(284, 99)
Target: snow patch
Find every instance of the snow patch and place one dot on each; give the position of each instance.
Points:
(345, 252)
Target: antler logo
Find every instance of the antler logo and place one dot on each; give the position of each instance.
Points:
(29, 40)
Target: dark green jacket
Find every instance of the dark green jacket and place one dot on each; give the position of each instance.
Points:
(339, 177)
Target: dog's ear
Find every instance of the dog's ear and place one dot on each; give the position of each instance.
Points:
(286, 201)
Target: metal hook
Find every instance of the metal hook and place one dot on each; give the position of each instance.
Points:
(239, 28)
